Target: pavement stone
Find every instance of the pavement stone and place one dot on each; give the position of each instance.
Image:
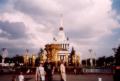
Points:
(56, 77)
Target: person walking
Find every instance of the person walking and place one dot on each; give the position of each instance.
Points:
(40, 73)
(62, 71)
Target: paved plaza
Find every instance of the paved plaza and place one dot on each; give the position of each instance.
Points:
(86, 77)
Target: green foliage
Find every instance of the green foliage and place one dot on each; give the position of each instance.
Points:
(101, 61)
(84, 62)
(117, 56)
(71, 55)
(72, 51)
(7, 60)
(40, 52)
(17, 59)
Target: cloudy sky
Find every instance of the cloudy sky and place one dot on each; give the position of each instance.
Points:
(89, 24)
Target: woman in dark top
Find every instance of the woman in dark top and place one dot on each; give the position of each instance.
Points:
(49, 69)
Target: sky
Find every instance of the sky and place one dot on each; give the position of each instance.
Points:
(89, 24)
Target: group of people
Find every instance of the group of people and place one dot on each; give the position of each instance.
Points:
(45, 72)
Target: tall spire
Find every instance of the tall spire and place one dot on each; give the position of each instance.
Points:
(61, 22)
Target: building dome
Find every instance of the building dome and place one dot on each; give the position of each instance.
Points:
(61, 38)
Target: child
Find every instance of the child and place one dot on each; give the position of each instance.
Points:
(21, 77)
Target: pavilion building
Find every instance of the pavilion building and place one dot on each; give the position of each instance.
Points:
(59, 49)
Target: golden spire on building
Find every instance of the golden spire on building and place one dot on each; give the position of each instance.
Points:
(61, 22)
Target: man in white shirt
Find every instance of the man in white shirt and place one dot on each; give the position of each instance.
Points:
(21, 77)
(40, 72)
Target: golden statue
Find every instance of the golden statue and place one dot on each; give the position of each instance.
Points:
(33, 60)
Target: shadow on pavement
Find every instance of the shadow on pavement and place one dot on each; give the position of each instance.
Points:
(27, 79)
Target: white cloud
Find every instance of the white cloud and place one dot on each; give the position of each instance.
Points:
(36, 32)
(85, 21)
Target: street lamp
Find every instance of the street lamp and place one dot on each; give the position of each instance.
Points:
(91, 59)
(114, 50)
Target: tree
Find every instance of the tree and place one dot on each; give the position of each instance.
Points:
(0, 58)
(40, 52)
(39, 55)
(37, 61)
(7, 60)
(88, 62)
(84, 62)
(18, 59)
(101, 61)
(117, 64)
(117, 56)
(71, 55)
(109, 60)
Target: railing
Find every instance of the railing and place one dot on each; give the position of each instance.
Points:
(78, 70)
(100, 70)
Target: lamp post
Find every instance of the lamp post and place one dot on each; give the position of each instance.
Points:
(4, 55)
(91, 59)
